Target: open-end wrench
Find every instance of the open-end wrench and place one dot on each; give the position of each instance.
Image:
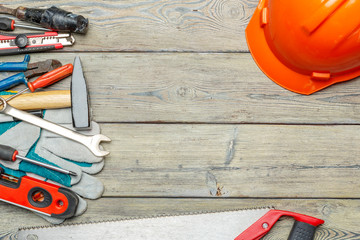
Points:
(91, 142)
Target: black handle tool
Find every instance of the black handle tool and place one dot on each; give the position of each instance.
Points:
(7, 24)
(52, 18)
(8, 153)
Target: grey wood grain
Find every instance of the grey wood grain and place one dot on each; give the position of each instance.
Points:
(201, 88)
(192, 160)
(177, 119)
(166, 25)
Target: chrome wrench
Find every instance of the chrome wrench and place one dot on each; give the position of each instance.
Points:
(91, 142)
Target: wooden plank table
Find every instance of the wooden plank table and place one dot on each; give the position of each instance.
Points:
(195, 125)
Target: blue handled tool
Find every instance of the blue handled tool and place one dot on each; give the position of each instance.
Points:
(27, 70)
(15, 66)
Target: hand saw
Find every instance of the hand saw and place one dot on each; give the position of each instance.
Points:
(250, 224)
(33, 42)
(38, 196)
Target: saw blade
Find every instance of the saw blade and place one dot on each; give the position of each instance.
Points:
(210, 226)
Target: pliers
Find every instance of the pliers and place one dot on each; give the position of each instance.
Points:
(27, 70)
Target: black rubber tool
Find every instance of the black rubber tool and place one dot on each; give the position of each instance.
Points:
(52, 18)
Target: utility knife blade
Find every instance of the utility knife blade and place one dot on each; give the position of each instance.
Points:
(11, 44)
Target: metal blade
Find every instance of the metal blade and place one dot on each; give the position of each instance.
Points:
(65, 39)
(209, 226)
(80, 103)
(6, 43)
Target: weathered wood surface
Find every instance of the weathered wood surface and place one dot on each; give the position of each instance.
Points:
(201, 88)
(166, 25)
(196, 126)
(232, 161)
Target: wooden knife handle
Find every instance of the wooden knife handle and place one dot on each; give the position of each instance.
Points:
(41, 100)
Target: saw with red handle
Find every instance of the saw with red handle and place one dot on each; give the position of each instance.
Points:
(249, 224)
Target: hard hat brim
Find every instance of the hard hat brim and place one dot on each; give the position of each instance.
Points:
(279, 72)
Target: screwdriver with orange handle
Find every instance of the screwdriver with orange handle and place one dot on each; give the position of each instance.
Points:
(8, 153)
(47, 79)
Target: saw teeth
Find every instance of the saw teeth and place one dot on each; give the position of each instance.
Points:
(147, 217)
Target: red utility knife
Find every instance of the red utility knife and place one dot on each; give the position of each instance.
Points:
(38, 196)
(33, 42)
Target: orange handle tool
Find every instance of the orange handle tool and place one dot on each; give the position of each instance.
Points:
(38, 196)
(51, 77)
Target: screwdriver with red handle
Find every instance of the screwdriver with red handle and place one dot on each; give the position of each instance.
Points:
(7, 24)
(8, 153)
(47, 79)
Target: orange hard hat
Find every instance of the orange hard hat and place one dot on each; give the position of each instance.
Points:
(305, 46)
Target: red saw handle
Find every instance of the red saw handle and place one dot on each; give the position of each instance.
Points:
(38, 196)
(303, 228)
(51, 77)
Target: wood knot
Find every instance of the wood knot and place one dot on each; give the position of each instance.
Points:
(231, 9)
(185, 93)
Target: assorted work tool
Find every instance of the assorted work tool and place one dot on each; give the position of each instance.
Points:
(28, 70)
(38, 196)
(26, 66)
(52, 18)
(33, 42)
(250, 224)
(8, 24)
(10, 154)
(34, 194)
(55, 201)
(79, 96)
(79, 103)
(42, 100)
(46, 79)
(91, 142)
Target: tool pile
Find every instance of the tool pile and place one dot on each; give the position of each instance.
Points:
(34, 164)
(53, 19)
(67, 156)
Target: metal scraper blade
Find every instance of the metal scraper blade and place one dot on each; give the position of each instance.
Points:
(80, 103)
(209, 226)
